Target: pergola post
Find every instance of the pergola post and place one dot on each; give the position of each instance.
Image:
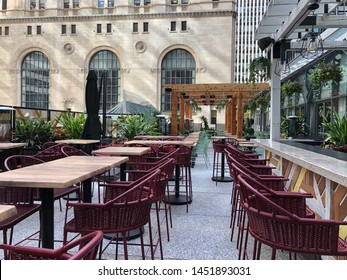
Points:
(174, 113)
(227, 117)
(182, 111)
(233, 116)
(239, 117)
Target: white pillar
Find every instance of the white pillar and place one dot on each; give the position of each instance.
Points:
(275, 113)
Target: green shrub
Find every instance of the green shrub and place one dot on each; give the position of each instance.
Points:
(73, 124)
(132, 125)
(34, 131)
(336, 130)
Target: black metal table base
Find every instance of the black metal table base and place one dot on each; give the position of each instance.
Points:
(178, 200)
(135, 233)
(222, 179)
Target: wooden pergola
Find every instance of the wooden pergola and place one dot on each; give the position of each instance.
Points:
(212, 94)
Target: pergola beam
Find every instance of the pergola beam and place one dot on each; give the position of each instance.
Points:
(210, 94)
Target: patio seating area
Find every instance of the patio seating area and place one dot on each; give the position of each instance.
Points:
(202, 233)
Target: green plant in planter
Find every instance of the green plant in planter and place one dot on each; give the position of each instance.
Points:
(73, 124)
(205, 122)
(259, 68)
(248, 130)
(336, 131)
(34, 131)
(323, 73)
(132, 125)
(292, 87)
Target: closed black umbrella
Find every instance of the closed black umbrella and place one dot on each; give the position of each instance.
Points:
(92, 126)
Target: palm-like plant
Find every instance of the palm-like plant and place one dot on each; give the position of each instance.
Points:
(336, 130)
(33, 131)
(73, 124)
(132, 125)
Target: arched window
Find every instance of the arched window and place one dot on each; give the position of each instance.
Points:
(178, 67)
(35, 81)
(107, 63)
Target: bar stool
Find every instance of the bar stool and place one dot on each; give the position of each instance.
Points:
(218, 168)
(184, 162)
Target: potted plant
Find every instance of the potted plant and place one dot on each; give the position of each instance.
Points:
(259, 68)
(34, 131)
(73, 124)
(323, 73)
(248, 129)
(291, 87)
(132, 125)
(336, 132)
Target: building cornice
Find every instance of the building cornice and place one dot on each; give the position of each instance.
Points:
(225, 13)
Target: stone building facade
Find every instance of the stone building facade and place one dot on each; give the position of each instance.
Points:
(48, 46)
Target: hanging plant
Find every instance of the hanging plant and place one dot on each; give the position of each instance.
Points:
(323, 73)
(263, 99)
(250, 105)
(259, 68)
(195, 105)
(291, 87)
(222, 103)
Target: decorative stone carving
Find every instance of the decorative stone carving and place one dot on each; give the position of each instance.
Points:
(69, 48)
(140, 46)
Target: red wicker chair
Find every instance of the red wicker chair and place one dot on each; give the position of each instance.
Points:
(271, 185)
(129, 210)
(272, 224)
(166, 167)
(84, 248)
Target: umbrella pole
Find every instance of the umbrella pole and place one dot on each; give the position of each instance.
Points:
(104, 76)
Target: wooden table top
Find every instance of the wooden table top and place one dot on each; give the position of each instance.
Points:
(247, 144)
(60, 173)
(78, 141)
(157, 142)
(7, 211)
(122, 151)
(158, 137)
(9, 145)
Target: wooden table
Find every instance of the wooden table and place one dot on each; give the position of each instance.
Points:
(86, 143)
(60, 173)
(7, 211)
(160, 143)
(78, 141)
(5, 148)
(122, 151)
(158, 137)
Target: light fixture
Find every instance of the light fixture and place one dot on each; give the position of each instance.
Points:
(265, 42)
(312, 45)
